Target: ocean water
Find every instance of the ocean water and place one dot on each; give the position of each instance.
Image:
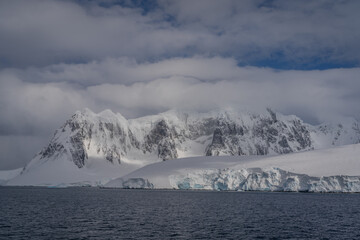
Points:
(94, 213)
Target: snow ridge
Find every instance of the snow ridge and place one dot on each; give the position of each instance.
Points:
(175, 134)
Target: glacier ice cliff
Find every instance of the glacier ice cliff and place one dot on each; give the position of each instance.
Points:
(254, 179)
(327, 170)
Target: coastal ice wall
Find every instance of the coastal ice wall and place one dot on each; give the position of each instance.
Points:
(254, 179)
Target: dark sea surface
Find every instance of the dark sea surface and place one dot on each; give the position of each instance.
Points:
(94, 213)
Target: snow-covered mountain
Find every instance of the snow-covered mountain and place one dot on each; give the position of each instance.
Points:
(326, 170)
(98, 147)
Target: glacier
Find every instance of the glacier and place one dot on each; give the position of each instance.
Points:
(327, 170)
(257, 179)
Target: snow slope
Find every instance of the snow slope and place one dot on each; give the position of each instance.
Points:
(328, 170)
(63, 173)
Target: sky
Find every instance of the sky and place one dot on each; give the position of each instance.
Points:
(142, 57)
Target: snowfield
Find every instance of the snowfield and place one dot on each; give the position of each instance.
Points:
(63, 173)
(329, 170)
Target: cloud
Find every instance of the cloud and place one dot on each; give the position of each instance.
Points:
(276, 33)
(279, 30)
(315, 96)
(37, 100)
(42, 32)
(16, 151)
(128, 71)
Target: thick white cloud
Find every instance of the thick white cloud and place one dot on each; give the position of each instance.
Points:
(189, 83)
(314, 95)
(43, 32)
(128, 71)
(40, 32)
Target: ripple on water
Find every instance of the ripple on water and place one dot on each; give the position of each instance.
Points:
(83, 213)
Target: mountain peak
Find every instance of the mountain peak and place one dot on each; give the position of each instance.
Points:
(107, 113)
(85, 111)
(89, 139)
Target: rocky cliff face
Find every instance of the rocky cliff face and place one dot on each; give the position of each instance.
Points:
(264, 135)
(161, 139)
(110, 137)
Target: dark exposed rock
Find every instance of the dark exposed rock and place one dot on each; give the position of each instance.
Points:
(161, 137)
(272, 114)
(78, 151)
(133, 141)
(216, 144)
(167, 150)
(217, 138)
(301, 134)
(261, 150)
(112, 155)
(283, 142)
(52, 149)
